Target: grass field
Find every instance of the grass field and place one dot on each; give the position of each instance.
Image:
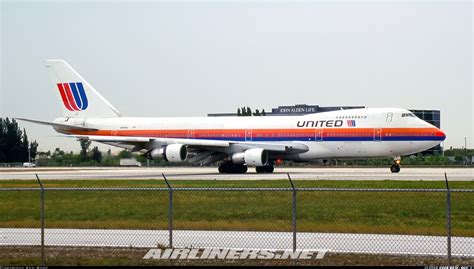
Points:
(359, 212)
(239, 183)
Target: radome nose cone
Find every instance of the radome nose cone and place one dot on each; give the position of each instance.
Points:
(441, 134)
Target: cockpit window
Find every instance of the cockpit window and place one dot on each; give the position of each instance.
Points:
(408, 115)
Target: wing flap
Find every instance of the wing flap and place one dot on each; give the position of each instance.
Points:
(287, 147)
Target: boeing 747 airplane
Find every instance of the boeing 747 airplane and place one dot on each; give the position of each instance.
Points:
(239, 142)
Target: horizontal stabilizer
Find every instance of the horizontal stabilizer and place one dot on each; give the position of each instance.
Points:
(59, 126)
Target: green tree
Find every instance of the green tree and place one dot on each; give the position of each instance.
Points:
(96, 154)
(14, 143)
(263, 112)
(57, 152)
(3, 141)
(125, 154)
(33, 149)
(459, 159)
(25, 146)
(85, 144)
(14, 149)
(238, 112)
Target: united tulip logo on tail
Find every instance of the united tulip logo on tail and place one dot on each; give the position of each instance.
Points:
(73, 96)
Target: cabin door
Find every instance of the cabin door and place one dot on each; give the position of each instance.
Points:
(318, 135)
(248, 135)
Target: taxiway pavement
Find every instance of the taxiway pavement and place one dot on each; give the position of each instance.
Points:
(210, 173)
(332, 242)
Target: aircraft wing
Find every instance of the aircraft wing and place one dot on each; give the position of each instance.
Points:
(212, 145)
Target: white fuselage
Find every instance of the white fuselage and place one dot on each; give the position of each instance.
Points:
(354, 133)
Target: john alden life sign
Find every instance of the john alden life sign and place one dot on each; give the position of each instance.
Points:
(303, 109)
(295, 109)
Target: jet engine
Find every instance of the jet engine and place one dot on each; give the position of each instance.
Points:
(174, 153)
(251, 157)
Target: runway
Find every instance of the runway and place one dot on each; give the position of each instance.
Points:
(332, 242)
(210, 173)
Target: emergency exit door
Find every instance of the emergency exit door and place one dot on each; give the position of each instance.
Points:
(377, 134)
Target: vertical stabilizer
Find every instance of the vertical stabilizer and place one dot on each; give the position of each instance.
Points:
(78, 98)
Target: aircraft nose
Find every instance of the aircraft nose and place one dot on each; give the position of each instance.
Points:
(439, 133)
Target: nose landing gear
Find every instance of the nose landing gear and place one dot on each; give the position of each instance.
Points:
(395, 168)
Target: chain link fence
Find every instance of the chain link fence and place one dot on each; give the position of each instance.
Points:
(427, 222)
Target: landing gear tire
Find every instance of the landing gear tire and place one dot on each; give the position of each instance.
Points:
(264, 169)
(232, 168)
(395, 168)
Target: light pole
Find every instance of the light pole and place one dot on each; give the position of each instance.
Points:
(465, 151)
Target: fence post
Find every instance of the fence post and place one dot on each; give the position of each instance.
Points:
(42, 219)
(170, 212)
(294, 213)
(448, 218)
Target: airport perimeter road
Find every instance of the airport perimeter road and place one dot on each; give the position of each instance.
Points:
(333, 242)
(210, 173)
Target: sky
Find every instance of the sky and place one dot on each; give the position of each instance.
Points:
(175, 58)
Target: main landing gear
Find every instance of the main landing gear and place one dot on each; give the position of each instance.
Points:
(264, 169)
(395, 168)
(232, 168)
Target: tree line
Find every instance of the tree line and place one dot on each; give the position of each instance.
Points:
(93, 157)
(14, 143)
(247, 111)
